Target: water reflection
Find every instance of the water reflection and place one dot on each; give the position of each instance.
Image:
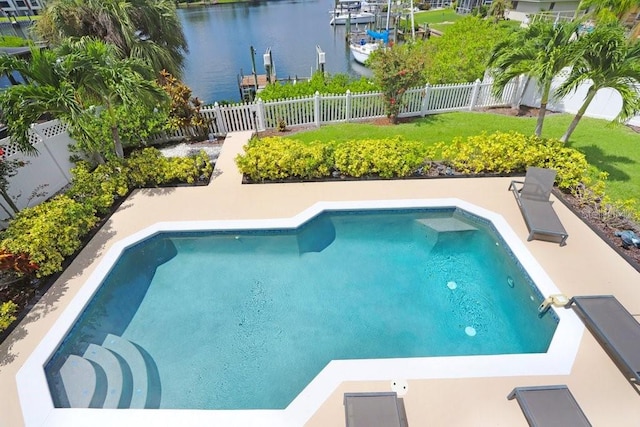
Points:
(220, 37)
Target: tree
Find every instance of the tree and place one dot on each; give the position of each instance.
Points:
(540, 52)
(72, 82)
(148, 30)
(607, 60)
(396, 69)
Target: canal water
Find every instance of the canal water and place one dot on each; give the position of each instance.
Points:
(220, 37)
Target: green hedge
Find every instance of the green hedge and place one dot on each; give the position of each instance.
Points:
(387, 158)
(502, 152)
(277, 158)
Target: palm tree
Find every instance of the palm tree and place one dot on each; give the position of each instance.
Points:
(69, 81)
(540, 52)
(103, 80)
(145, 29)
(607, 59)
(46, 91)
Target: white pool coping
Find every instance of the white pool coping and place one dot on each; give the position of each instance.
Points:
(37, 404)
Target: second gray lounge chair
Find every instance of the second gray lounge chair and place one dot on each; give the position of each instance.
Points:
(532, 196)
(549, 406)
(377, 409)
(615, 328)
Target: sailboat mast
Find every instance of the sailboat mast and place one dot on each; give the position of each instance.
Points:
(413, 24)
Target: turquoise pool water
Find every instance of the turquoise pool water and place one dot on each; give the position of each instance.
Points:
(246, 319)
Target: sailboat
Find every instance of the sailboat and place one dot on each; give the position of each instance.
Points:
(362, 49)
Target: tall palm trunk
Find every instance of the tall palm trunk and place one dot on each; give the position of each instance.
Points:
(574, 123)
(543, 108)
(116, 142)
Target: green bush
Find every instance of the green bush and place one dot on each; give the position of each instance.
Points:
(384, 157)
(49, 232)
(7, 311)
(188, 169)
(98, 189)
(276, 158)
(319, 82)
(512, 152)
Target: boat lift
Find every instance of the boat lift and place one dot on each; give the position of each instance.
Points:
(252, 84)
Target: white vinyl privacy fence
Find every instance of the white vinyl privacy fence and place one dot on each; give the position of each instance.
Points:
(44, 173)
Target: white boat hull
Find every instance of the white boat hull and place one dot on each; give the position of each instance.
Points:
(356, 18)
(361, 52)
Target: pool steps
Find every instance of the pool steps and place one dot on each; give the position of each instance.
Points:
(113, 375)
(135, 361)
(79, 393)
(108, 362)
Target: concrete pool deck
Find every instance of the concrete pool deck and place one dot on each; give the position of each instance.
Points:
(585, 266)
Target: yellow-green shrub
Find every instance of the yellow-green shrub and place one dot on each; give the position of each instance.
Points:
(7, 311)
(99, 188)
(392, 157)
(502, 152)
(187, 169)
(276, 158)
(49, 232)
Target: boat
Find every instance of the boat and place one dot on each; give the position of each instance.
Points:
(341, 18)
(347, 6)
(362, 49)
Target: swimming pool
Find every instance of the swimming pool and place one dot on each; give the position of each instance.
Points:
(445, 277)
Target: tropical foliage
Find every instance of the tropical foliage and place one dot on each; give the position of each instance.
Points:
(147, 30)
(78, 78)
(184, 109)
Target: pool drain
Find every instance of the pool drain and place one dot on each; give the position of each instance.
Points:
(452, 285)
(470, 330)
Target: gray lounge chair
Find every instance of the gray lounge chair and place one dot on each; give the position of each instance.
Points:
(615, 328)
(532, 196)
(549, 406)
(378, 409)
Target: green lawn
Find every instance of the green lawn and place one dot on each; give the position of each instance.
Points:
(613, 149)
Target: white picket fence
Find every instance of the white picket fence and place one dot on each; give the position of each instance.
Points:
(320, 109)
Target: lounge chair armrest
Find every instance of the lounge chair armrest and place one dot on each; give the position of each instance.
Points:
(512, 185)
